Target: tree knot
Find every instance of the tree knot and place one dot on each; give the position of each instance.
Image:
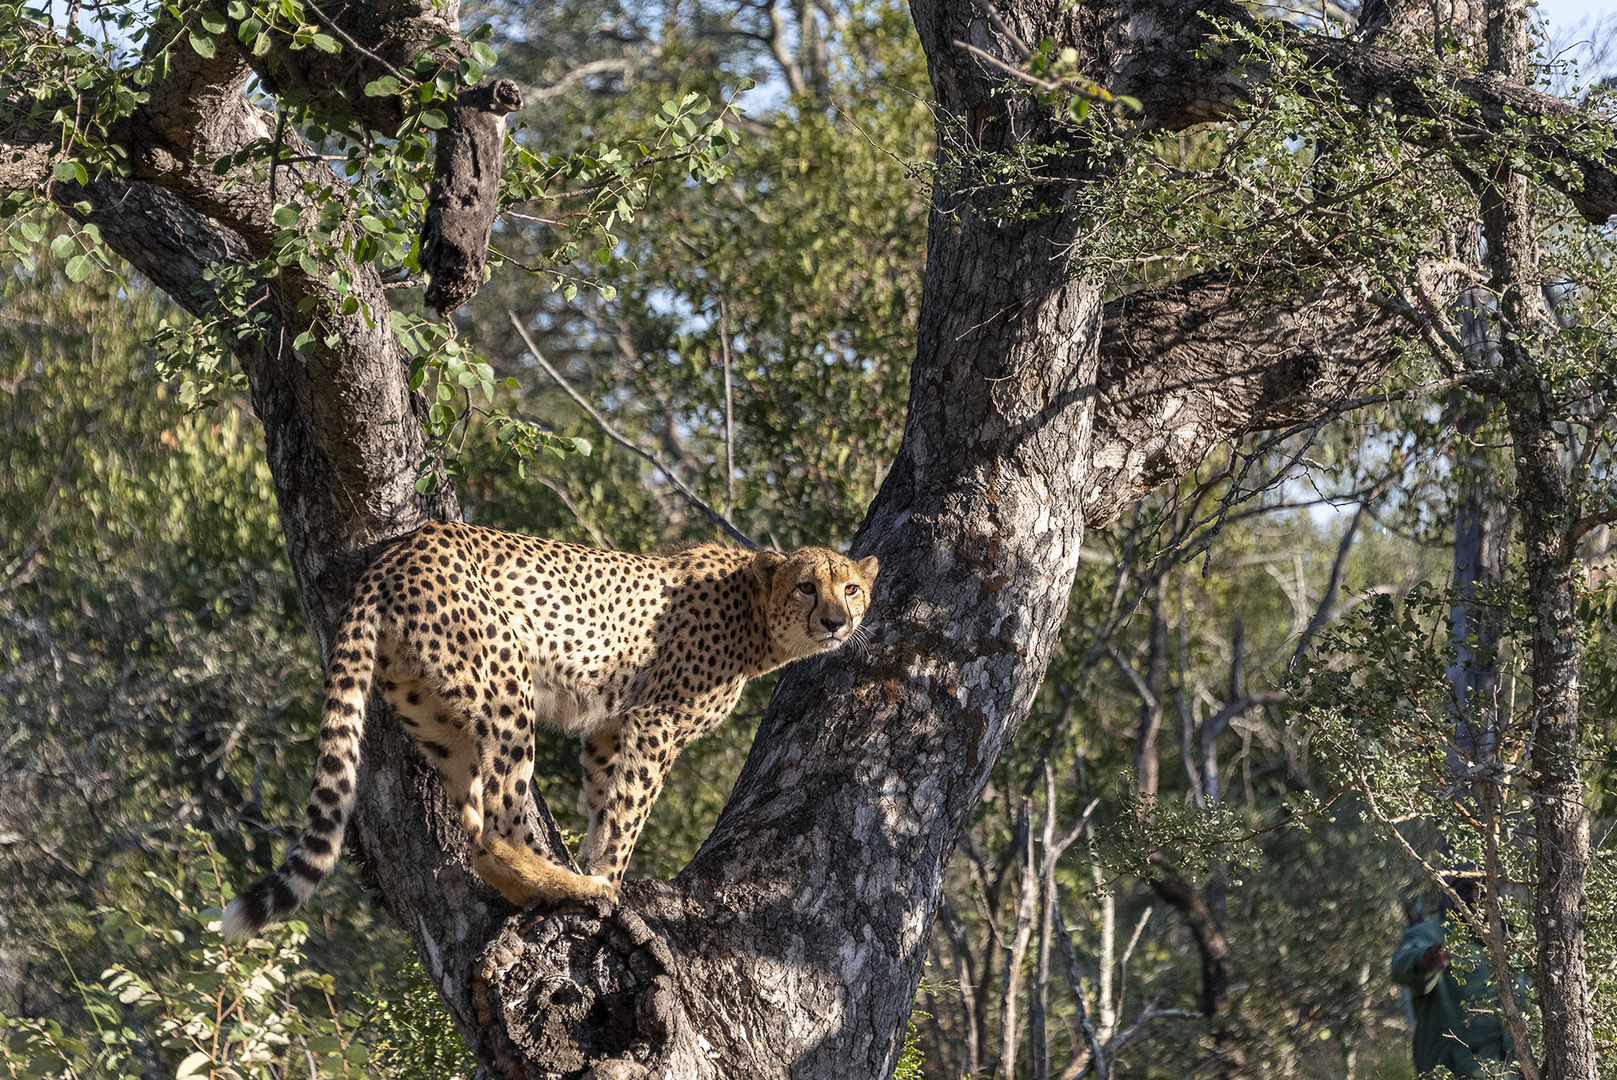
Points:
(576, 995)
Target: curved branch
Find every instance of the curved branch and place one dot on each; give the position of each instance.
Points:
(1188, 366)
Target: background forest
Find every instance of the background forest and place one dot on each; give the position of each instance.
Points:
(1177, 857)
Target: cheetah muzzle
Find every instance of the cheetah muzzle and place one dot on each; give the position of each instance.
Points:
(476, 635)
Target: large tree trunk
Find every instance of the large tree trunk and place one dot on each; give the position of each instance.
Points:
(1548, 511)
(794, 940)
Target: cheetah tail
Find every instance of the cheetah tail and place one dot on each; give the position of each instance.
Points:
(342, 720)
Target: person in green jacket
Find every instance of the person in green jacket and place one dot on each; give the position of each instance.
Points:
(1456, 1021)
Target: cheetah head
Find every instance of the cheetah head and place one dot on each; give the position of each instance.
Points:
(813, 598)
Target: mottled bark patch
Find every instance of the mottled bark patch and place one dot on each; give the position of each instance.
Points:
(583, 996)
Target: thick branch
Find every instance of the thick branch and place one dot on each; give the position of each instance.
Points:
(1154, 51)
(1191, 365)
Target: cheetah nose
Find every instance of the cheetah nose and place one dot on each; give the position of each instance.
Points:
(833, 625)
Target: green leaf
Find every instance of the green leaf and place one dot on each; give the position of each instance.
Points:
(192, 1063)
(202, 45)
(425, 486)
(62, 246)
(483, 54)
(435, 119)
(79, 267)
(582, 445)
(71, 171)
(305, 343)
(285, 216)
(236, 10)
(213, 22)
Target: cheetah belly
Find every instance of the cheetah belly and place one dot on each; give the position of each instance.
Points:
(569, 710)
(579, 696)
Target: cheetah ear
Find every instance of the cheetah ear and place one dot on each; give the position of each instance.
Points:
(764, 565)
(868, 567)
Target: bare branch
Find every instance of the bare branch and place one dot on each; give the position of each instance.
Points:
(1326, 602)
(618, 65)
(618, 437)
(729, 418)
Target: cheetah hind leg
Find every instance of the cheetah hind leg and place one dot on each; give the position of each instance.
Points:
(509, 855)
(440, 728)
(525, 877)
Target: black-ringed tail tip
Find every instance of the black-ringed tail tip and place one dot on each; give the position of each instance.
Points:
(271, 900)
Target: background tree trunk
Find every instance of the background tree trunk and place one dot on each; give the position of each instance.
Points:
(1547, 509)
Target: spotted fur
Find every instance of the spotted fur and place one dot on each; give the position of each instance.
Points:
(475, 635)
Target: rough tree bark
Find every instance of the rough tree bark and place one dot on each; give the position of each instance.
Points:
(794, 940)
(1547, 506)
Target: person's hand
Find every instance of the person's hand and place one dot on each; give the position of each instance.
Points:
(1435, 958)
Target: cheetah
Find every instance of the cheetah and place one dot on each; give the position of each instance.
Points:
(475, 635)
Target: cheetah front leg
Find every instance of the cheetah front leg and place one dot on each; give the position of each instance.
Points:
(625, 765)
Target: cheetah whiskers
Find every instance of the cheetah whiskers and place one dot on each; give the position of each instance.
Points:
(859, 640)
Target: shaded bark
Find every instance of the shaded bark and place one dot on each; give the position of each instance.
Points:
(1229, 1060)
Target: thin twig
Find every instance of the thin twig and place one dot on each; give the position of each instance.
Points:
(600, 538)
(1003, 27)
(275, 151)
(729, 419)
(1322, 612)
(617, 437)
(356, 46)
(1098, 94)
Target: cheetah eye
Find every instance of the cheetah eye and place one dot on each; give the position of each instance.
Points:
(806, 588)
(851, 589)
